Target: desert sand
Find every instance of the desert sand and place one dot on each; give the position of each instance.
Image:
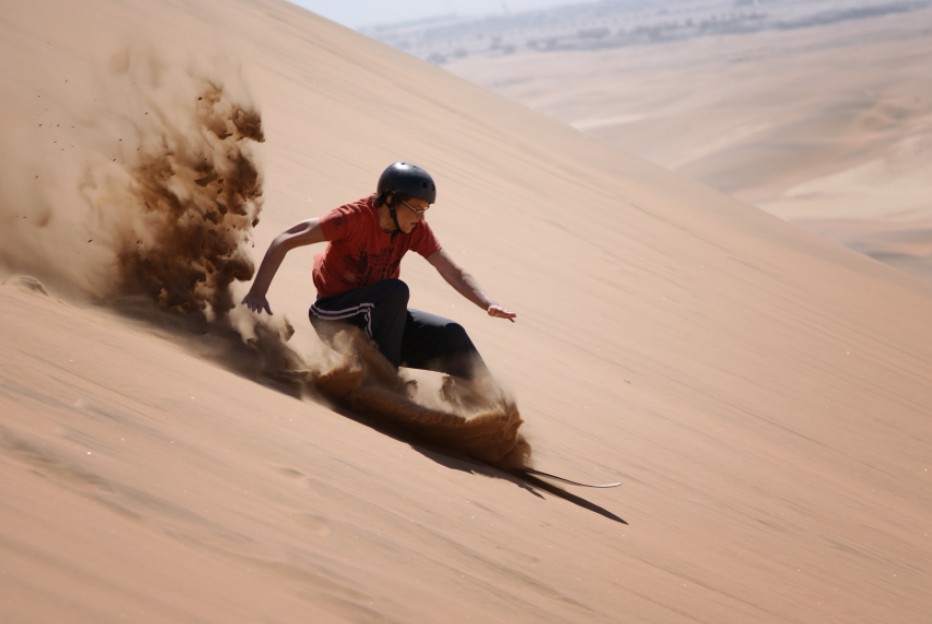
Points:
(762, 393)
(826, 126)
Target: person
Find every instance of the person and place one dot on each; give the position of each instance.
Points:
(357, 275)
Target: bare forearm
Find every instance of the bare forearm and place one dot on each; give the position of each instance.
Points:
(466, 285)
(304, 233)
(470, 289)
(270, 262)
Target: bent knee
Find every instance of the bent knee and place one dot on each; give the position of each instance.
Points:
(394, 288)
(456, 333)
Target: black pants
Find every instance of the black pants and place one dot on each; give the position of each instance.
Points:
(405, 337)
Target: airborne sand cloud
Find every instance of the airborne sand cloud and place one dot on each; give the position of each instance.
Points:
(148, 165)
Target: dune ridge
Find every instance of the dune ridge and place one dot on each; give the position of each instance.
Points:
(811, 124)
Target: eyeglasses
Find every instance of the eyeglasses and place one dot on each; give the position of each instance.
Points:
(418, 211)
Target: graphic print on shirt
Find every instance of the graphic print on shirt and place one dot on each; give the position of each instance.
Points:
(365, 268)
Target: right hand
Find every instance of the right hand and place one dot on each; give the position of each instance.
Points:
(257, 303)
(500, 312)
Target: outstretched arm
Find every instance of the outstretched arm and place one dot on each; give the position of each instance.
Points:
(466, 285)
(305, 233)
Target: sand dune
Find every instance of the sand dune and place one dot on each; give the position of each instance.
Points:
(825, 122)
(762, 393)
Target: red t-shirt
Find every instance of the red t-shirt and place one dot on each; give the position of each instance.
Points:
(359, 253)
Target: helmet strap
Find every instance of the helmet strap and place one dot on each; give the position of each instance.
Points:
(394, 215)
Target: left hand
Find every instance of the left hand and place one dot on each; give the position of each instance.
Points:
(499, 312)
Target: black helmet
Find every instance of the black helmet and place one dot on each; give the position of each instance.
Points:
(409, 180)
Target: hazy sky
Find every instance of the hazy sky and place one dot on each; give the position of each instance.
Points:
(360, 13)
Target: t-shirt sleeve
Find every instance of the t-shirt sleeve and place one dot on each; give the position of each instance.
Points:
(425, 242)
(336, 224)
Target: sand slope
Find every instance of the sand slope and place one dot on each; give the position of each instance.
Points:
(817, 124)
(763, 394)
